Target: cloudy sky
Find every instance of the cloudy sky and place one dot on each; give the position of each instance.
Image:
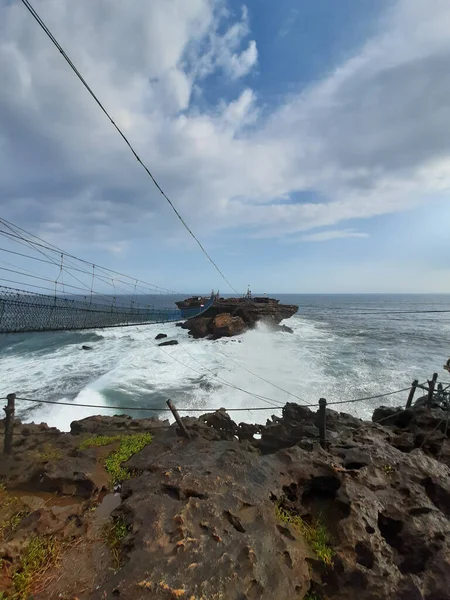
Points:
(307, 144)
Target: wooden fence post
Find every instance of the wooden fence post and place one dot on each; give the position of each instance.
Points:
(431, 386)
(181, 425)
(323, 422)
(9, 423)
(412, 391)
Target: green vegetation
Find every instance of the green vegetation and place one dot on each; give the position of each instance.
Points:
(14, 512)
(311, 596)
(129, 445)
(39, 556)
(315, 534)
(114, 533)
(98, 440)
(388, 469)
(50, 453)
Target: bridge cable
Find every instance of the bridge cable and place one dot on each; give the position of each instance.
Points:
(272, 401)
(125, 139)
(52, 248)
(259, 376)
(29, 243)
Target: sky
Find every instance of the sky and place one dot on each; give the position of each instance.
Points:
(306, 144)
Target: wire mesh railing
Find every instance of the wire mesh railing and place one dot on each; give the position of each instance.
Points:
(22, 311)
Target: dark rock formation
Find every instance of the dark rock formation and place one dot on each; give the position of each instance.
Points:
(114, 425)
(161, 336)
(285, 328)
(198, 327)
(213, 324)
(169, 343)
(417, 427)
(86, 348)
(202, 517)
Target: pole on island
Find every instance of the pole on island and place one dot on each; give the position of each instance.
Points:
(181, 425)
(412, 391)
(323, 422)
(9, 423)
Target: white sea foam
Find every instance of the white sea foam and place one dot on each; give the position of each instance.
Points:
(127, 368)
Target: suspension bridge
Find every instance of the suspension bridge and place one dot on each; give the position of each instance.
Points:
(48, 289)
(69, 302)
(22, 311)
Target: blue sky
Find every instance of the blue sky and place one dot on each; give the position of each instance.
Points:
(305, 143)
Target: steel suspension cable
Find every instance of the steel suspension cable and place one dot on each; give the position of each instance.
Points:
(41, 23)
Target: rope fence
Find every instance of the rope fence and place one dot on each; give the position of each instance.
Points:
(440, 395)
(323, 404)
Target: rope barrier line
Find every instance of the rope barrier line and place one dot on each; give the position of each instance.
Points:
(380, 311)
(143, 408)
(44, 27)
(370, 397)
(185, 409)
(389, 416)
(430, 433)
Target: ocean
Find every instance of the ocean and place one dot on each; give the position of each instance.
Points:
(344, 347)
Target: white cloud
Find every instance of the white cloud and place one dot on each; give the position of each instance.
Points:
(332, 234)
(371, 138)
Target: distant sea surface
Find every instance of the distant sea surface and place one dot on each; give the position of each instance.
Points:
(343, 347)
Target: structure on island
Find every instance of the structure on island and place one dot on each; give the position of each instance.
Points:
(230, 316)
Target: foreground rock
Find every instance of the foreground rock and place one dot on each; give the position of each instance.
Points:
(204, 518)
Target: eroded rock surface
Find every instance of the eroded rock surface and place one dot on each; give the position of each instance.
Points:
(202, 516)
(226, 318)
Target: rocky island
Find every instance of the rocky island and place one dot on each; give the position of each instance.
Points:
(232, 316)
(128, 509)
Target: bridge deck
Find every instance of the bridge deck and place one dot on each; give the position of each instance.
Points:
(26, 312)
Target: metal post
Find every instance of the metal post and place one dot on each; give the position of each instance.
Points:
(9, 423)
(184, 431)
(431, 386)
(412, 391)
(323, 422)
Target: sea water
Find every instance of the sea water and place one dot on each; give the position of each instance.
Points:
(343, 347)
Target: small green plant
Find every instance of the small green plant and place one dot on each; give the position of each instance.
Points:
(388, 469)
(98, 440)
(311, 596)
(114, 533)
(50, 453)
(40, 555)
(315, 534)
(129, 445)
(13, 513)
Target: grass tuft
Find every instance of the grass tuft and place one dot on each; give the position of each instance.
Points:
(315, 534)
(13, 512)
(114, 533)
(40, 555)
(50, 453)
(311, 596)
(129, 445)
(98, 440)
